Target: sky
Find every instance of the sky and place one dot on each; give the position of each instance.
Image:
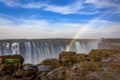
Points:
(38, 19)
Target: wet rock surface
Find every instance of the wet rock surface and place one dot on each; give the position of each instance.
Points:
(103, 64)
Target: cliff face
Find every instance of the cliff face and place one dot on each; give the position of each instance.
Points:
(37, 50)
(109, 43)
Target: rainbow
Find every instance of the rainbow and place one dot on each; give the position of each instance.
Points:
(81, 31)
(74, 38)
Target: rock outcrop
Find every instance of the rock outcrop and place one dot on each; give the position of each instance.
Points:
(51, 62)
(102, 64)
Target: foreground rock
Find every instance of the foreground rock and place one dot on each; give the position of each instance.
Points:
(101, 64)
(57, 74)
(10, 63)
(66, 58)
(51, 62)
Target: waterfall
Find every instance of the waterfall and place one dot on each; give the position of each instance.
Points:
(35, 51)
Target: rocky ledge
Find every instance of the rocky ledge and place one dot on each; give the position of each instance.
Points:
(103, 64)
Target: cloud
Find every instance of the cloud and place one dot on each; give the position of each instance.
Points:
(110, 6)
(101, 28)
(26, 28)
(17, 3)
(107, 32)
(29, 28)
(68, 9)
(86, 7)
(11, 3)
(102, 3)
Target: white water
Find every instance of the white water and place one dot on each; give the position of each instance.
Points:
(34, 51)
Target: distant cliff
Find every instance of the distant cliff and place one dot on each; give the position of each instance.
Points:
(110, 43)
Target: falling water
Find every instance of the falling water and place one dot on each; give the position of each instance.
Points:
(35, 51)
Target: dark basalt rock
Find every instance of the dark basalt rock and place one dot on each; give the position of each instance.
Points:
(10, 63)
(9, 59)
(92, 76)
(6, 69)
(66, 58)
(81, 57)
(51, 62)
(74, 73)
(103, 64)
(63, 54)
(57, 74)
(28, 72)
(8, 77)
(99, 55)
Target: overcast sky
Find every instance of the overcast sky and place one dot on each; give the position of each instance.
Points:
(36, 19)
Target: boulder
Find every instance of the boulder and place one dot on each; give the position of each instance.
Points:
(41, 76)
(7, 77)
(81, 57)
(114, 67)
(9, 59)
(66, 58)
(51, 62)
(105, 55)
(90, 66)
(10, 63)
(97, 55)
(57, 74)
(28, 72)
(64, 53)
(92, 76)
(6, 69)
(74, 73)
(109, 75)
